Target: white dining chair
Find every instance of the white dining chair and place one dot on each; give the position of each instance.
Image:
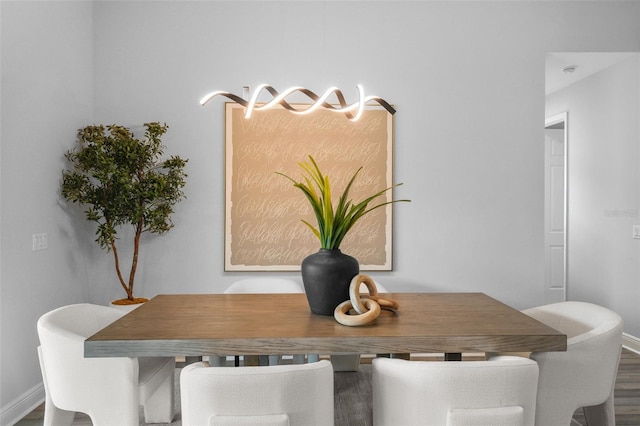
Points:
(583, 376)
(282, 395)
(261, 285)
(108, 390)
(501, 392)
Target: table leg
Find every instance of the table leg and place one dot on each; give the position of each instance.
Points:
(453, 356)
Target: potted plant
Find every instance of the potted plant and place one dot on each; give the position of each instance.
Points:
(327, 273)
(123, 181)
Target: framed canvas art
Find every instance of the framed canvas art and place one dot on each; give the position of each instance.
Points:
(263, 210)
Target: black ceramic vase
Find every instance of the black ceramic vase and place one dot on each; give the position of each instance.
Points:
(327, 275)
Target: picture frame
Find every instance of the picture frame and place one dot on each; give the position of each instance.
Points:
(264, 211)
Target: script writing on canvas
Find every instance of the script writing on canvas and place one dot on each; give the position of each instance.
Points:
(263, 209)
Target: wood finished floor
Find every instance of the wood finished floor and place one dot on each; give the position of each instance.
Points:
(353, 397)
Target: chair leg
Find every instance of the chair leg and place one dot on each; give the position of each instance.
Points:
(54, 416)
(159, 408)
(348, 362)
(602, 414)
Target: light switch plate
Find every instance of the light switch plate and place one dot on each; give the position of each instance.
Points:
(636, 232)
(40, 241)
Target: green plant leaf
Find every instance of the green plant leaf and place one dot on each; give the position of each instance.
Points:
(333, 225)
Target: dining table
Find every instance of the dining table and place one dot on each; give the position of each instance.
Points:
(195, 325)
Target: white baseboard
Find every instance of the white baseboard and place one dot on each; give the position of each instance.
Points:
(21, 406)
(631, 342)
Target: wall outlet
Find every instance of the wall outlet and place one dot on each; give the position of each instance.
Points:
(40, 241)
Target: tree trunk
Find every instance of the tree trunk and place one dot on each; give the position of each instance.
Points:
(134, 261)
(120, 278)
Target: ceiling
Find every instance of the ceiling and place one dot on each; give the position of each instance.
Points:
(586, 63)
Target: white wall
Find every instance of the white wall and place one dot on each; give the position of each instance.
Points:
(467, 79)
(46, 95)
(604, 190)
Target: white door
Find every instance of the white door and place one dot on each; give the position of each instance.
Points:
(555, 180)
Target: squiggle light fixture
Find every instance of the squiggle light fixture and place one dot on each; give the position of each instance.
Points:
(318, 101)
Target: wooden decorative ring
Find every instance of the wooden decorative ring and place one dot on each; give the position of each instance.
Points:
(341, 313)
(354, 291)
(388, 304)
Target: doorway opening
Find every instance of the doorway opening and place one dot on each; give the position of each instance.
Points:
(555, 206)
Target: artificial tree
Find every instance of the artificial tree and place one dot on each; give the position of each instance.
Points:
(124, 181)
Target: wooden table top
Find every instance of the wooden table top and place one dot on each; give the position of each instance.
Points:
(263, 324)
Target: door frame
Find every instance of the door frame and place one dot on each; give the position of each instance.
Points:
(562, 117)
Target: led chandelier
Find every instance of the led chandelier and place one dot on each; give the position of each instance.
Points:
(318, 101)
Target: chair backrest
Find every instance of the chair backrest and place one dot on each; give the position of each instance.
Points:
(82, 320)
(497, 392)
(585, 374)
(72, 378)
(265, 285)
(575, 319)
(281, 395)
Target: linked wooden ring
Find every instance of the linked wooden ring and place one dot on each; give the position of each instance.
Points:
(354, 291)
(366, 308)
(341, 313)
(388, 304)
